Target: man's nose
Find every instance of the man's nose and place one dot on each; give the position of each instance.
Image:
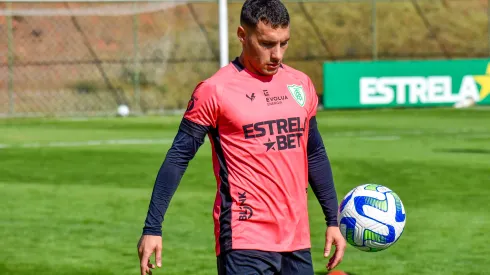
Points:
(276, 54)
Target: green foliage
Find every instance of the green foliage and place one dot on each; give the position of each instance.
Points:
(85, 86)
(131, 76)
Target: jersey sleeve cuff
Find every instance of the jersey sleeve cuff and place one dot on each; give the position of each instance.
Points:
(152, 231)
(332, 223)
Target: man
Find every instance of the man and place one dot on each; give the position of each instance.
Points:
(260, 118)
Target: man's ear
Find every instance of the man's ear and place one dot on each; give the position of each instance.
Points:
(242, 34)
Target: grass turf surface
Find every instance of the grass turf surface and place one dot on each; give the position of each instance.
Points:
(79, 209)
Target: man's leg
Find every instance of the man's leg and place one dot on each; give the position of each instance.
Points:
(297, 263)
(249, 262)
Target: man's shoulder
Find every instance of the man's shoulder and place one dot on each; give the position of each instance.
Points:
(221, 76)
(295, 73)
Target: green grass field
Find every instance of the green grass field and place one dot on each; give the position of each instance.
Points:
(72, 204)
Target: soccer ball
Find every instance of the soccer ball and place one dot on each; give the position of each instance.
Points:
(123, 110)
(372, 217)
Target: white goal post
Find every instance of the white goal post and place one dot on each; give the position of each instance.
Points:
(223, 32)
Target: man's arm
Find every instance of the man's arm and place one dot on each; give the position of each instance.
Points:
(320, 174)
(185, 145)
(201, 115)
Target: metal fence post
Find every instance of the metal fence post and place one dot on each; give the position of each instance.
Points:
(10, 54)
(488, 27)
(374, 30)
(136, 64)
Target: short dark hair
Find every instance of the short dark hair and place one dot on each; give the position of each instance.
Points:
(271, 12)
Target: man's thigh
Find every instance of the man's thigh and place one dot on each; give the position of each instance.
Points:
(297, 263)
(249, 262)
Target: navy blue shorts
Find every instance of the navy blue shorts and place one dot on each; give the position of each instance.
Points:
(254, 262)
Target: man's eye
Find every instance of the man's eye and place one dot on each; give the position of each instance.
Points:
(284, 44)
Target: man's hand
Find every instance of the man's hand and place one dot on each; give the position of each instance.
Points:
(146, 246)
(333, 236)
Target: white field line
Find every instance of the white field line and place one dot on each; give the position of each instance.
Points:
(88, 143)
(362, 135)
(381, 135)
(381, 138)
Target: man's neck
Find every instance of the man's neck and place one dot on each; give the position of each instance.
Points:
(251, 70)
(247, 65)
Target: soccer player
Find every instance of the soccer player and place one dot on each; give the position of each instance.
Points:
(259, 115)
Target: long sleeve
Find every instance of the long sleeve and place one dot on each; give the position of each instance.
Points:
(320, 175)
(184, 147)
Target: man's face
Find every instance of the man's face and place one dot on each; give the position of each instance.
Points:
(264, 47)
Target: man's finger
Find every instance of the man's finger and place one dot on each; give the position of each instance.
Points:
(150, 265)
(144, 269)
(334, 264)
(331, 263)
(337, 257)
(158, 256)
(144, 263)
(328, 247)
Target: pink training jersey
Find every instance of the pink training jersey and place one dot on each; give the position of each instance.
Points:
(259, 132)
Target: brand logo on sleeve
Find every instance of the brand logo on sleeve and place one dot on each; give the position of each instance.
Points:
(190, 104)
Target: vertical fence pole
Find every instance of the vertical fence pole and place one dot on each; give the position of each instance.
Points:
(136, 64)
(488, 25)
(223, 32)
(374, 30)
(10, 53)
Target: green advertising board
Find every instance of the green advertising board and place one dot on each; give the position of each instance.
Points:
(369, 84)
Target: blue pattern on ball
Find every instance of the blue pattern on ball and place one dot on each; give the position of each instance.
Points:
(359, 202)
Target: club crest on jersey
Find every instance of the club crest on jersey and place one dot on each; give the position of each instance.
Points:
(298, 94)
